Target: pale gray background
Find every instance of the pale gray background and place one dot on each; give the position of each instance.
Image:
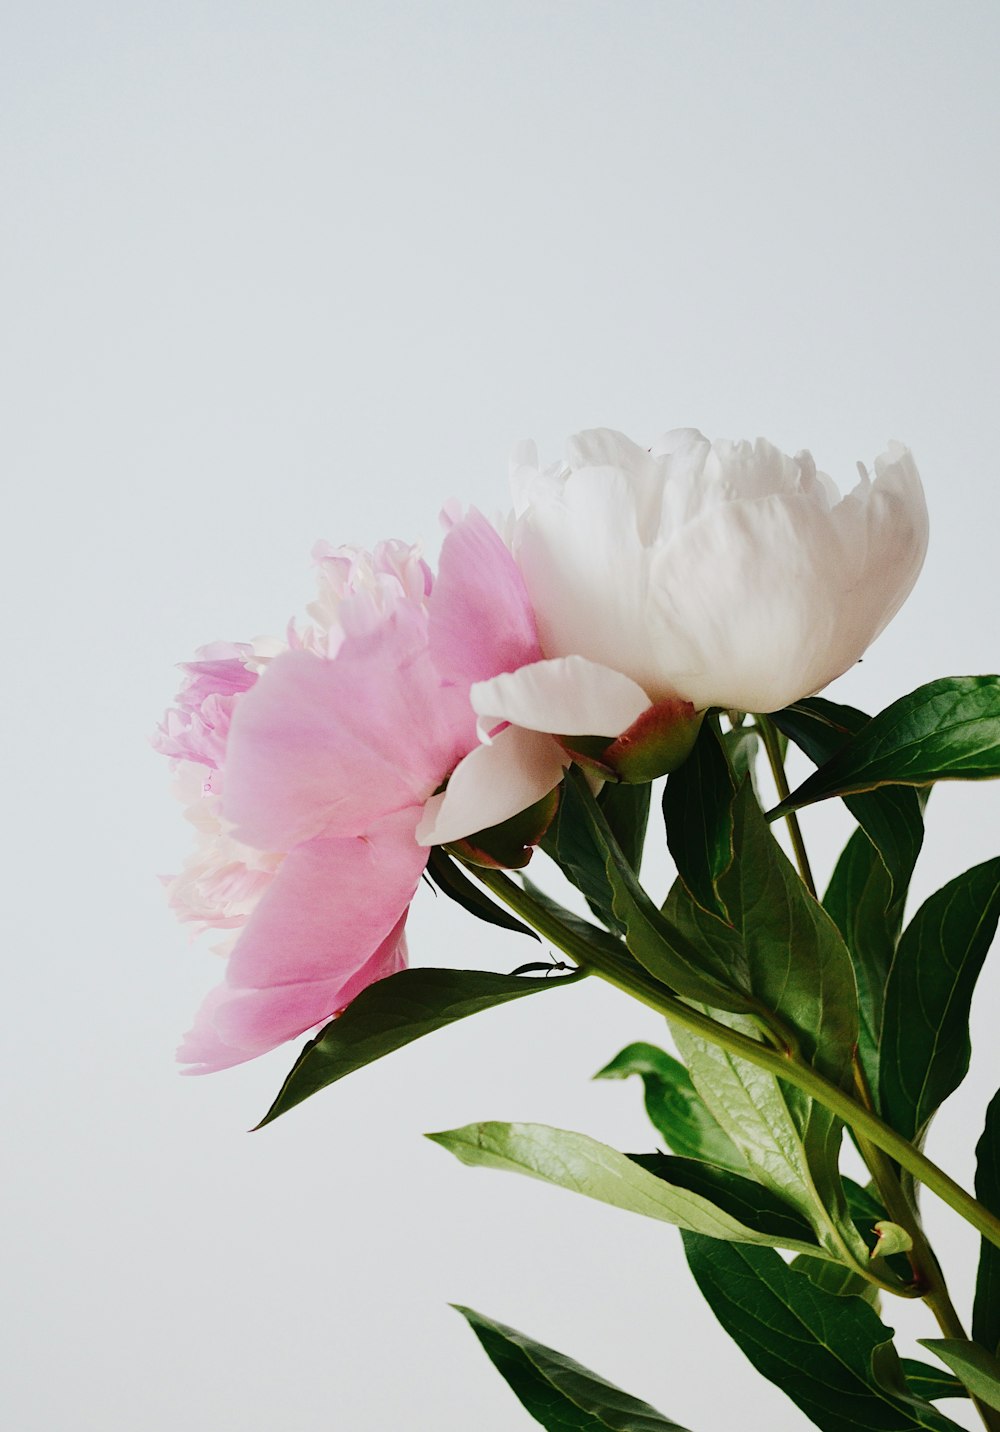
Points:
(277, 271)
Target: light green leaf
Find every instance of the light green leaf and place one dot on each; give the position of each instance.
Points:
(978, 1369)
(986, 1309)
(891, 1239)
(558, 1392)
(393, 1012)
(582, 1164)
(674, 1106)
(831, 1355)
(698, 815)
(924, 1046)
(946, 730)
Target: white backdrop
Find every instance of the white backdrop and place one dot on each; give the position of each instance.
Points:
(280, 271)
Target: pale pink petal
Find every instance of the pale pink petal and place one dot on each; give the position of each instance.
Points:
(330, 923)
(493, 783)
(568, 696)
(327, 747)
(481, 621)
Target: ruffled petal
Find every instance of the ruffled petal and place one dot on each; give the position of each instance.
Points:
(493, 783)
(568, 696)
(481, 621)
(327, 747)
(329, 924)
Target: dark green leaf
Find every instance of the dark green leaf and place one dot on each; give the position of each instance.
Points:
(946, 730)
(794, 961)
(698, 815)
(986, 1311)
(393, 1012)
(675, 1108)
(580, 1163)
(860, 901)
(925, 1035)
(751, 1204)
(694, 970)
(978, 1369)
(626, 810)
(930, 1382)
(453, 882)
(742, 745)
(558, 1392)
(571, 843)
(831, 1355)
(892, 817)
(835, 1278)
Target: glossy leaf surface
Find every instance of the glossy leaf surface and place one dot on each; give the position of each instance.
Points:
(698, 815)
(831, 1355)
(392, 1013)
(946, 730)
(675, 1108)
(925, 1032)
(452, 881)
(976, 1368)
(558, 1392)
(986, 1309)
(689, 1198)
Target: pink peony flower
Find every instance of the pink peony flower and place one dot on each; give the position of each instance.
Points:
(337, 756)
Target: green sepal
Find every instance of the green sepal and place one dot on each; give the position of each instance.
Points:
(511, 844)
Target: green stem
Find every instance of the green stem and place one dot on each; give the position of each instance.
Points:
(923, 1260)
(772, 746)
(618, 968)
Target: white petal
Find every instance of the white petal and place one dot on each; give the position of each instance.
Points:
(569, 696)
(491, 784)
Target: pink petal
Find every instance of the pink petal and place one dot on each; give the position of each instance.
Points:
(481, 621)
(568, 696)
(493, 783)
(330, 923)
(328, 746)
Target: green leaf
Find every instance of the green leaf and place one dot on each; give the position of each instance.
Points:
(833, 1356)
(752, 1205)
(891, 1239)
(558, 1392)
(393, 1012)
(925, 1035)
(626, 810)
(698, 815)
(571, 843)
(986, 1310)
(861, 903)
(946, 730)
(449, 878)
(697, 971)
(674, 1106)
(835, 1278)
(794, 961)
(742, 745)
(580, 1163)
(930, 1382)
(978, 1369)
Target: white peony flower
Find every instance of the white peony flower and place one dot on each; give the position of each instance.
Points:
(722, 574)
